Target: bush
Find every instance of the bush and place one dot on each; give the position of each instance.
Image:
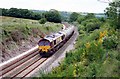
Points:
(81, 32)
(80, 19)
(118, 57)
(94, 51)
(53, 16)
(42, 21)
(83, 23)
(92, 26)
(110, 42)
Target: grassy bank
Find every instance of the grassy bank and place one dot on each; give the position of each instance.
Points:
(25, 27)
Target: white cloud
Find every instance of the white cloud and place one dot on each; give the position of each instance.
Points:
(62, 5)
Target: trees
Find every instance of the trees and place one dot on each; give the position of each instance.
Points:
(20, 13)
(4, 11)
(91, 24)
(53, 16)
(73, 17)
(113, 14)
(14, 12)
(89, 16)
(80, 19)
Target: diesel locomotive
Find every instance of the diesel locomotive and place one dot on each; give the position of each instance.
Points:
(51, 43)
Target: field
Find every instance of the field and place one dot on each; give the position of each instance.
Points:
(17, 32)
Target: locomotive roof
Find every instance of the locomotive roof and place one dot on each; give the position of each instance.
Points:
(58, 34)
(53, 36)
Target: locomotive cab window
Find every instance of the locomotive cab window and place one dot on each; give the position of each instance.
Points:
(44, 43)
(41, 43)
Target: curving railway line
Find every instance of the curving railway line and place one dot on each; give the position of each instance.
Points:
(25, 65)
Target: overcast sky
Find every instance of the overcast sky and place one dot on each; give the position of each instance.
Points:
(93, 6)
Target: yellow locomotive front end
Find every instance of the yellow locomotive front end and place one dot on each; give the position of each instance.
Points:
(44, 45)
(44, 48)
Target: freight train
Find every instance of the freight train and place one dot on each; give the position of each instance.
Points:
(51, 43)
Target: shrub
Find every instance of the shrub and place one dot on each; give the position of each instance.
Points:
(92, 26)
(80, 19)
(83, 23)
(94, 51)
(110, 42)
(42, 21)
(81, 32)
(118, 57)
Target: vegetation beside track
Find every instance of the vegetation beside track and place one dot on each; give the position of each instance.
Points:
(96, 51)
(96, 55)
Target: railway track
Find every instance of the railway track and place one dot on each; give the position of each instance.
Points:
(22, 67)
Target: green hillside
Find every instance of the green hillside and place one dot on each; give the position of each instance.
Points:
(26, 27)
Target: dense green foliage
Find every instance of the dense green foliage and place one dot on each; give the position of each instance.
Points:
(65, 16)
(73, 17)
(21, 13)
(113, 13)
(91, 24)
(96, 51)
(51, 16)
(89, 16)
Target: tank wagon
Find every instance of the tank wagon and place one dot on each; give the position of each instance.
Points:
(51, 43)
